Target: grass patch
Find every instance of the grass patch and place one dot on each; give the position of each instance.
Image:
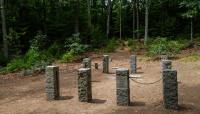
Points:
(191, 58)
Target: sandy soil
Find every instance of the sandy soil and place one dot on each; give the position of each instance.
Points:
(25, 95)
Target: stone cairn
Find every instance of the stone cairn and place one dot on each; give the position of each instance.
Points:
(133, 64)
(105, 64)
(52, 83)
(166, 64)
(87, 63)
(84, 85)
(170, 89)
(123, 89)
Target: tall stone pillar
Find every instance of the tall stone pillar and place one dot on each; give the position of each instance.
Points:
(87, 63)
(84, 85)
(52, 83)
(133, 64)
(166, 64)
(170, 89)
(123, 89)
(105, 64)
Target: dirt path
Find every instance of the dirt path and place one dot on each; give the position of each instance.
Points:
(25, 95)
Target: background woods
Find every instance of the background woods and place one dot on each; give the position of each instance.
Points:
(65, 28)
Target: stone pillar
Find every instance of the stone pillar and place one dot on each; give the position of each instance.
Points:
(52, 88)
(123, 89)
(133, 64)
(166, 64)
(170, 89)
(105, 64)
(87, 63)
(84, 85)
(96, 66)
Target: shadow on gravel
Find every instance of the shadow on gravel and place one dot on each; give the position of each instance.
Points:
(66, 97)
(98, 101)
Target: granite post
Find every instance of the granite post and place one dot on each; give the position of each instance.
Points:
(52, 83)
(105, 64)
(87, 63)
(133, 64)
(166, 64)
(170, 89)
(123, 89)
(84, 85)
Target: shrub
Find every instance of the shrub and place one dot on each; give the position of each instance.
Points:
(162, 46)
(15, 64)
(111, 45)
(133, 45)
(68, 56)
(39, 41)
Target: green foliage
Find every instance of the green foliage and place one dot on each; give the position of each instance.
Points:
(39, 41)
(68, 56)
(162, 46)
(134, 45)
(111, 45)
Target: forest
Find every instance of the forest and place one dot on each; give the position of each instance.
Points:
(37, 32)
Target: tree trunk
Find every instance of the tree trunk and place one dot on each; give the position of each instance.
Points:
(133, 6)
(138, 21)
(120, 19)
(191, 31)
(76, 25)
(89, 14)
(108, 19)
(3, 19)
(146, 22)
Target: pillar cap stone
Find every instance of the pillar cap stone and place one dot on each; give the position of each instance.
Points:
(122, 69)
(84, 69)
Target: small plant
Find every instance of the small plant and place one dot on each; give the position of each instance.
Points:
(133, 45)
(39, 41)
(162, 46)
(111, 45)
(68, 56)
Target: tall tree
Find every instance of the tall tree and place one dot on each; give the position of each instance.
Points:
(146, 21)
(3, 19)
(120, 20)
(89, 14)
(76, 14)
(138, 18)
(193, 6)
(109, 6)
(133, 9)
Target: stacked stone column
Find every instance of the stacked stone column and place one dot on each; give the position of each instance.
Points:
(87, 63)
(133, 64)
(105, 64)
(123, 89)
(52, 83)
(84, 85)
(166, 64)
(170, 89)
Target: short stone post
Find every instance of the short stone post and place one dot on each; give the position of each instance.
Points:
(96, 66)
(166, 64)
(133, 64)
(105, 64)
(87, 63)
(84, 85)
(52, 83)
(170, 89)
(123, 89)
